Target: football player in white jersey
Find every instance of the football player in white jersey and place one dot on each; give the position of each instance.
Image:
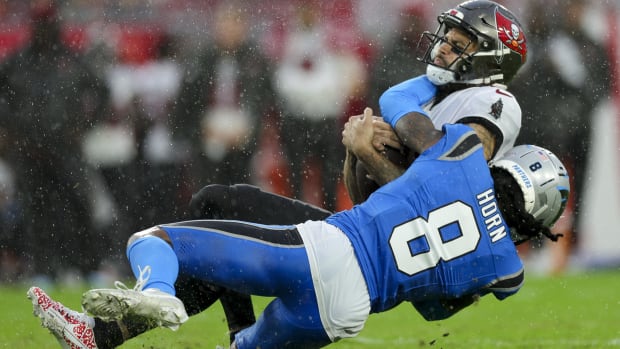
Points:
(477, 49)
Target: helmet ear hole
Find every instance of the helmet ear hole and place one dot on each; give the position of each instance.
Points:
(564, 200)
(542, 178)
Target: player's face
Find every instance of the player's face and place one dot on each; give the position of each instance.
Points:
(452, 46)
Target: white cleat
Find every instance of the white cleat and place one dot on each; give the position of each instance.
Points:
(150, 306)
(73, 330)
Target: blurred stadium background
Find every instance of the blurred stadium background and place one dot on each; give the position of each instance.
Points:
(141, 49)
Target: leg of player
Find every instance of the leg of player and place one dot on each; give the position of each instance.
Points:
(152, 300)
(238, 310)
(78, 330)
(247, 203)
(214, 201)
(258, 270)
(251, 204)
(254, 259)
(71, 328)
(121, 313)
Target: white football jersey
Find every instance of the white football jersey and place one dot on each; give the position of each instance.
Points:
(491, 106)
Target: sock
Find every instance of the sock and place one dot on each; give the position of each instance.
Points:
(159, 255)
(238, 310)
(109, 335)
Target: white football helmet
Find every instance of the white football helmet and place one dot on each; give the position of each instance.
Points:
(543, 179)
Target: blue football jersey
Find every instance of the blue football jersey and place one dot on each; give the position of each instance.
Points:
(436, 232)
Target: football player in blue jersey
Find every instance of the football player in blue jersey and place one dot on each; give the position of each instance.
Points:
(476, 50)
(439, 236)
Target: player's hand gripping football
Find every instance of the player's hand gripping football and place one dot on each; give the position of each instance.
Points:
(358, 133)
(383, 135)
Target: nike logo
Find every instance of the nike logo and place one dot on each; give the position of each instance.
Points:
(504, 93)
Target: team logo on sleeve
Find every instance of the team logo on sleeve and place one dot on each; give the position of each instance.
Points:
(511, 35)
(496, 109)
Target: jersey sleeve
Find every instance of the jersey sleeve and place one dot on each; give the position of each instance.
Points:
(406, 97)
(439, 309)
(498, 111)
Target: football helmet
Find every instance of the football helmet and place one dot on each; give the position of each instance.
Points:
(543, 179)
(500, 45)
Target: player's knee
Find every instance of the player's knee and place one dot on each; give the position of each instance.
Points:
(207, 202)
(153, 231)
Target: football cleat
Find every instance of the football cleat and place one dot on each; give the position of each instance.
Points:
(151, 306)
(73, 330)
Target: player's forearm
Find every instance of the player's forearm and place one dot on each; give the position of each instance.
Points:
(407, 97)
(417, 132)
(487, 139)
(453, 306)
(350, 177)
(440, 309)
(379, 167)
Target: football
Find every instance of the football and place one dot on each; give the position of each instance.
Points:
(366, 185)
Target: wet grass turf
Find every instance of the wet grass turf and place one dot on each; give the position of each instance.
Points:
(572, 311)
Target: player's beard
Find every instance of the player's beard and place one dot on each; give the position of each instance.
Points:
(436, 73)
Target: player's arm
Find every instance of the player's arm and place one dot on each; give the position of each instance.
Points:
(440, 309)
(409, 135)
(397, 101)
(402, 107)
(358, 181)
(349, 175)
(381, 169)
(358, 133)
(433, 310)
(487, 139)
(363, 177)
(357, 137)
(416, 131)
(407, 97)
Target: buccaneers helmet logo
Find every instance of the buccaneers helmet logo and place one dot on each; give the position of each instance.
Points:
(511, 35)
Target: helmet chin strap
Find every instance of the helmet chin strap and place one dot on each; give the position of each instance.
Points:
(439, 76)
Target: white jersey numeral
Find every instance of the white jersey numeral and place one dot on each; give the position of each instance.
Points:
(456, 213)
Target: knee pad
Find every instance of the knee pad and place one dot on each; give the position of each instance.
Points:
(153, 231)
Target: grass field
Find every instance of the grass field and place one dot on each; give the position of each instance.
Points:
(572, 311)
